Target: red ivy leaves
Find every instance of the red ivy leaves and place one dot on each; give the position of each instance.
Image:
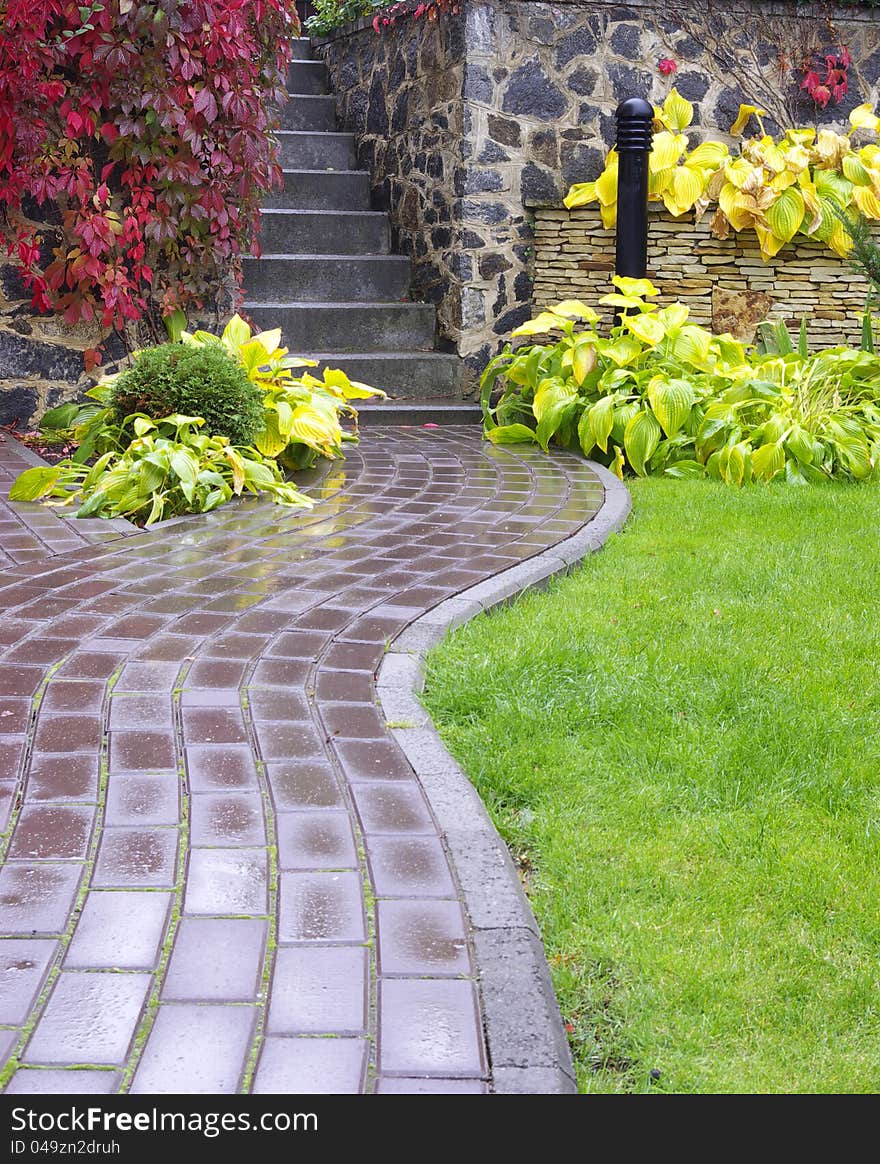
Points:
(827, 82)
(148, 123)
(427, 10)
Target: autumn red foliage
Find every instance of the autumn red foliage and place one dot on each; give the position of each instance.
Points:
(143, 129)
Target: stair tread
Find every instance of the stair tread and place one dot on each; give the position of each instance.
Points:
(359, 304)
(397, 357)
(266, 210)
(312, 257)
(290, 170)
(314, 133)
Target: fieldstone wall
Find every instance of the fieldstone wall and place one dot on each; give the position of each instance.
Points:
(725, 283)
(466, 121)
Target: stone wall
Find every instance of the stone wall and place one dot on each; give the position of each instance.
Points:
(533, 87)
(725, 283)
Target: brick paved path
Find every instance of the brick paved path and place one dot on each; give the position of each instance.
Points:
(216, 858)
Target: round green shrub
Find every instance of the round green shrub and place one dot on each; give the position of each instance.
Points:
(197, 381)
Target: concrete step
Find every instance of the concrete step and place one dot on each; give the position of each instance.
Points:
(327, 278)
(322, 232)
(306, 150)
(322, 190)
(302, 48)
(349, 327)
(400, 374)
(418, 412)
(305, 112)
(307, 77)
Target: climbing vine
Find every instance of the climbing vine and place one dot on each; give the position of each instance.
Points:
(140, 132)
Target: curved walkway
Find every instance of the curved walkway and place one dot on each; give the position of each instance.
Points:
(217, 853)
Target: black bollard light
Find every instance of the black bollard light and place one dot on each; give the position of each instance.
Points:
(635, 132)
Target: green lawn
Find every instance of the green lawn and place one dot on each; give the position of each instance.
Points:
(680, 743)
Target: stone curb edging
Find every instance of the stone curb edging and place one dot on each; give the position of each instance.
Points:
(527, 1047)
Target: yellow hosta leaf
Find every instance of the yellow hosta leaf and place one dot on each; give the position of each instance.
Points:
(646, 328)
(863, 117)
(581, 194)
(641, 437)
(271, 341)
(692, 345)
(786, 214)
(767, 461)
(618, 463)
(708, 155)
(839, 240)
(742, 118)
(606, 183)
(782, 181)
(678, 112)
(543, 323)
(575, 308)
(658, 182)
(770, 243)
(609, 215)
(673, 316)
(235, 333)
(687, 187)
(736, 207)
(623, 351)
(672, 401)
(856, 170)
(584, 360)
(666, 149)
(630, 286)
(812, 204)
(830, 150)
(801, 137)
(552, 393)
(867, 201)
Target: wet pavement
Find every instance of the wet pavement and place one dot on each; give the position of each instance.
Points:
(220, 872)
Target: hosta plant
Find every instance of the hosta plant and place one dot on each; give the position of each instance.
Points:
(797, 184)
(170, 468)
(179, 463)
(660, 394)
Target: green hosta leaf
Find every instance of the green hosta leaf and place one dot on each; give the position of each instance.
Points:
(234, 334)
(511, 434)
(767, 461)
(271, 440)
(601, 421)
(851, 446)
(623, 414)
(671, 401)
(833, 185)
(786, 214)
(735, 464)
(186, 466)
(61, 417)
(585, 434)
(143, 425)
(686, 469)
(34, 483)
(640, 439)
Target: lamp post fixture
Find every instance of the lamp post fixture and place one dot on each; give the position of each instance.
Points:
(635, 132)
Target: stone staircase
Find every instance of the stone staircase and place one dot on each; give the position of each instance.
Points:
(327, 277)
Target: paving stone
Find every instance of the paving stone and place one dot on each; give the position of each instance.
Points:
(141, 751)
(315, 840)
(216, 960)
(44, 832)
(227, 818)
(141, 713)
(292, 1066)
(147, 676)
(210, 725)
(11, 756)
(422, 938)
(91, 1017)
(321, 907)
(30, 1081)
(24, 964)
(319, 990)
(392, 807)
(289, 741)
(146, 857)
(37, 899)
(227, 881)
(429, 1027)
(142, 800)
(75, 696)
(409, 867)
(390, 1085)
(303, 784)
(121, 930)
(372, 760)
(221, 768)
(196, 1050)
(271, 703)
(353, 721)
(63, 778)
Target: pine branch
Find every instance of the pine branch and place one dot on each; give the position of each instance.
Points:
(865, 253)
